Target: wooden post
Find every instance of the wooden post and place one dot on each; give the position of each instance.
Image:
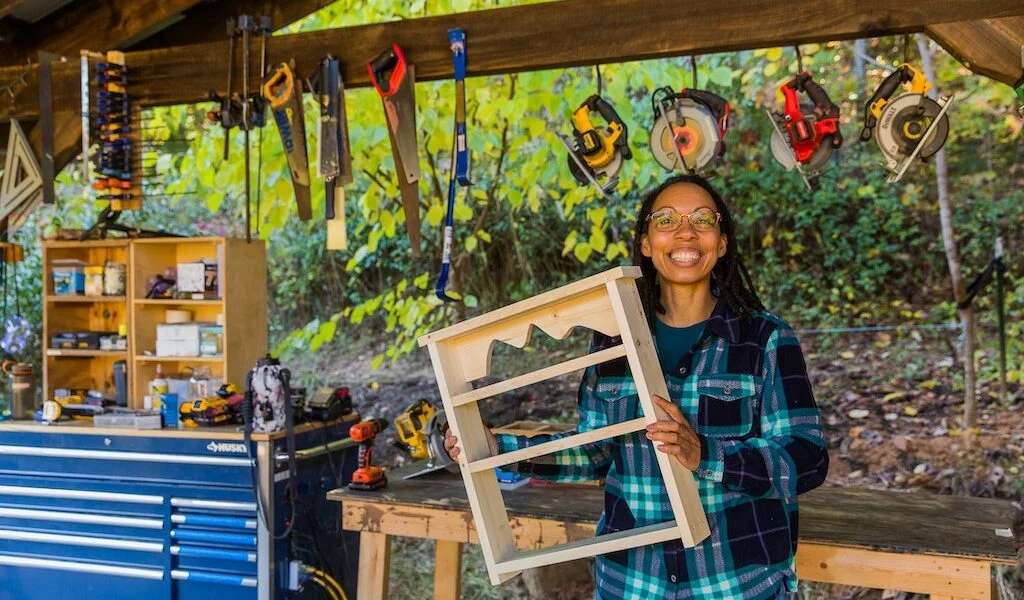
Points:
(448, 570)
(374, 565)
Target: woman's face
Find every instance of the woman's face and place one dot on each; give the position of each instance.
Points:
(682, 255)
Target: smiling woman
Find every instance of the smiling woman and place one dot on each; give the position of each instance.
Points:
(742, 416)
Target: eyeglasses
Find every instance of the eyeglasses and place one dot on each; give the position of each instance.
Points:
(669, 219)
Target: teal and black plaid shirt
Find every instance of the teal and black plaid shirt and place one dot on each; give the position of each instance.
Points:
(744, 388)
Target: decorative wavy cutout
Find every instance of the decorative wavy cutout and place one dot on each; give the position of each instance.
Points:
(592, 310)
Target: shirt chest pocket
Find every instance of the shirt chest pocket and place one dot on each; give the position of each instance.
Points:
(727, 405)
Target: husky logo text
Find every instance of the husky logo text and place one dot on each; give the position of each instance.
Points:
(226, 447)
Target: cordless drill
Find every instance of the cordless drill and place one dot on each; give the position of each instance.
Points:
(367, 476)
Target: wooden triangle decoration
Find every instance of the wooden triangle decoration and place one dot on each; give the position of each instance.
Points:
(22, 177)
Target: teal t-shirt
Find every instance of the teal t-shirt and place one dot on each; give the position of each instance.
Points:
(673, 342)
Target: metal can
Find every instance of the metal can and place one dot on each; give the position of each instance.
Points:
(94, 280)
(113, 279)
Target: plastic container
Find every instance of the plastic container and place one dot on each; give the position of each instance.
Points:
(68, 277)
(93, 280)
(113, 279)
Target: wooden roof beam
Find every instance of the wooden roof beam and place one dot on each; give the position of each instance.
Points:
(205, 22)
(990, 47)
(531, 37)
(94, 25)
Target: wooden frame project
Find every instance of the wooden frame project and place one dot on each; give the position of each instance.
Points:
(608, 303)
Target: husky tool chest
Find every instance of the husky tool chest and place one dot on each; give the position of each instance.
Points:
(89, 512)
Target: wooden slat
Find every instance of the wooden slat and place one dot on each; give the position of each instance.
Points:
(553, 446)
(938, 575)
(575, 364)
(990, 47)
(374, 565)
(532, 37)
(496, 540)
(602, 544)
(447, 570)
(650, 381)
(534, 303)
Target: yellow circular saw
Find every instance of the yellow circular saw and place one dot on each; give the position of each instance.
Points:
(689, 128)
(596, 154)
(913, 126)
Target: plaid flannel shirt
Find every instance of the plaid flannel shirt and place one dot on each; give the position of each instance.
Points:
(744, 388)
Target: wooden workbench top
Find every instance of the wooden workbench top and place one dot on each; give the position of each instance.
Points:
(221, 432)
(902, 522)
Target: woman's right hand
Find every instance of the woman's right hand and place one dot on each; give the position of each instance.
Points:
(451, 444)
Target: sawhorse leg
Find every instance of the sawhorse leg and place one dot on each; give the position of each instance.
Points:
(448, 570)
(374, 564)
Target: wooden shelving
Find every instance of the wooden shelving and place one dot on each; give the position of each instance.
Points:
(85, 299)
(241, 309)
(174, 302)
(67, 353)
(186, 359)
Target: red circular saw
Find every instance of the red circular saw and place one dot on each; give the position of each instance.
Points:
(805, 134)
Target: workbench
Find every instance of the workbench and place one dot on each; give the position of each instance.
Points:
(99, 512)
(915, 542)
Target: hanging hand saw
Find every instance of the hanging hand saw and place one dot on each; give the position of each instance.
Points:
(460, 157)
(395, 81)
(334, 161)
(284, 91)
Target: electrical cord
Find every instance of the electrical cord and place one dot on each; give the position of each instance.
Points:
(326, 587)
(314, 572)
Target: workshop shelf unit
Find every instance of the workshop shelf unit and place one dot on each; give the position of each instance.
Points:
(461, 354)
(242, 300)
(241, 303)
(85, 369)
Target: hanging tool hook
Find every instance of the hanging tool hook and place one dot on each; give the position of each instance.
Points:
(693, 70)
(799, 60)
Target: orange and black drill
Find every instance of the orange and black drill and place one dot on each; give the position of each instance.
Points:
(367, 476)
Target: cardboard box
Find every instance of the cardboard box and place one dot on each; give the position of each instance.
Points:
(177, 339)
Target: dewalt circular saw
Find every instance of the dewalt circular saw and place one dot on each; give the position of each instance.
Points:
(805, 134)
(689, 128)
(596, 154)
(911, 126)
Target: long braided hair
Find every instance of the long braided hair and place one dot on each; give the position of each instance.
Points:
(730, 280)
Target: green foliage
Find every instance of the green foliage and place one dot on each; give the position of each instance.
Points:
(857, 251)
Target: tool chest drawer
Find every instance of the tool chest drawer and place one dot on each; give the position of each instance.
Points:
(90, 516)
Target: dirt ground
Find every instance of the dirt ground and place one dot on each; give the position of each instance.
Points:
(892, 407)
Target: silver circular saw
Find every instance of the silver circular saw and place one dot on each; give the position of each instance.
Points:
(913, 126)
(689, 128)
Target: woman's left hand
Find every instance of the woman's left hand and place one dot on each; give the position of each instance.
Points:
(676, 435)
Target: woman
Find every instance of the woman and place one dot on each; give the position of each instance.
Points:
(743, 418)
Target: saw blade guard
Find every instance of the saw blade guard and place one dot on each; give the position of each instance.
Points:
(904, 125)
(689, 128)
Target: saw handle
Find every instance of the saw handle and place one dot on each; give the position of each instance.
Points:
(279, 86)
(715, 103)
(818, 95)
(387, 71)
(607, 111)
(889, 86)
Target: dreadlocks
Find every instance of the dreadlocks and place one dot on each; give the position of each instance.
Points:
(729, 278)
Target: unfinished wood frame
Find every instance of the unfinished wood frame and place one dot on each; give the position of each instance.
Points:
(608, 303)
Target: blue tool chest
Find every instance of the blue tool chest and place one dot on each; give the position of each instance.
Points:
(158, 515)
